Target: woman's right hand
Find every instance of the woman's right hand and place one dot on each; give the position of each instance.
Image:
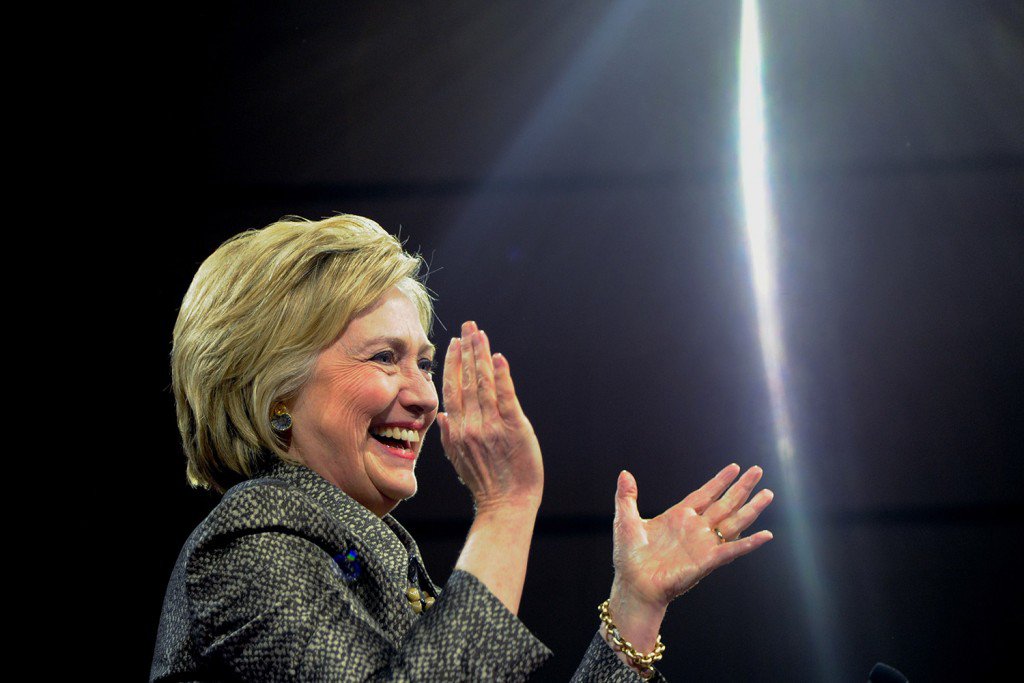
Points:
(658, 559)
(485, 433)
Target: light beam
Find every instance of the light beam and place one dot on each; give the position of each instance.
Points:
(763, 252)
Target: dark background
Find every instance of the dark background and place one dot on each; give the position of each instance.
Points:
(569, 170)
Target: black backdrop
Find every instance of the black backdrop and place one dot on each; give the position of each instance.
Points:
(569, 171)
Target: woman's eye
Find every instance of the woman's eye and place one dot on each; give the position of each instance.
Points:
(384, 357)
(428, 365)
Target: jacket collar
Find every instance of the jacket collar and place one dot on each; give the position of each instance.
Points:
(380, 539)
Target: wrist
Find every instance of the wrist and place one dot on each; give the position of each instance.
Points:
(639, 659)
(521, 505)
(637, 617)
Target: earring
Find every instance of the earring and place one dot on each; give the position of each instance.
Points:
(281, 421)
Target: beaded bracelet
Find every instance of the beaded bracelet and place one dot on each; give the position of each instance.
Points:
(641, 662)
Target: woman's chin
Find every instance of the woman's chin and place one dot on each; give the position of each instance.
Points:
(396, 486)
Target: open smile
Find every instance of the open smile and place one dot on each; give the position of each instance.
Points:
(397, 440)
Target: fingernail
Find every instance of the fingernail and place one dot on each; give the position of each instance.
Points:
(453, 342)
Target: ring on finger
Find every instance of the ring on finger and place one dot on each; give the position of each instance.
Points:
(721, 537)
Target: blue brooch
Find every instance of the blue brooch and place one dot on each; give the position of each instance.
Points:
(348, 563)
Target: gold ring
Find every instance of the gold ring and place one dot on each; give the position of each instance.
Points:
(721, 538)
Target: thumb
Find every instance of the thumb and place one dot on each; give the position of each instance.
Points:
(626, 511)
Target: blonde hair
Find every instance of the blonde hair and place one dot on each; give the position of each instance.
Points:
(257, 314)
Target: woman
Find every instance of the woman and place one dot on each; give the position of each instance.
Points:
(302, 374)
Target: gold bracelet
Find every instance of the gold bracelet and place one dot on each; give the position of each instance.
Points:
(641, 662)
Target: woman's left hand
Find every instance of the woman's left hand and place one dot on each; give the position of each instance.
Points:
(659, 559)
(485, 433)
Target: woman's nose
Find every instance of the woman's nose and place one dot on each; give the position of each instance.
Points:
(419, 395)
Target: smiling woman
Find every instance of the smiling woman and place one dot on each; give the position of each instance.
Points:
(302, 373)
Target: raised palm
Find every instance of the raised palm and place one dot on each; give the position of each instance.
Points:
(658, 559)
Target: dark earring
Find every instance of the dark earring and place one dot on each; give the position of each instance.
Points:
(281, 421)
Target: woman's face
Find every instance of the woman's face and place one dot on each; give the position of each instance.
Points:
(360, 420)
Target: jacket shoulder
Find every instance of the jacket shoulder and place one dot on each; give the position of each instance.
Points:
(260, 506)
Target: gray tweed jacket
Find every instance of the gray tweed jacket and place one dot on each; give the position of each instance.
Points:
(288, 578)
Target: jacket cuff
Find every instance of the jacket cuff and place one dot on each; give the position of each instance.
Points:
(600, 663)
(494, 644)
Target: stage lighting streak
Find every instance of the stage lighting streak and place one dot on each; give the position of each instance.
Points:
(760, 228)
(762, 247)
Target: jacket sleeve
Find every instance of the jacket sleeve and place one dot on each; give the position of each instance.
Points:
(271, 606)
(600, 663)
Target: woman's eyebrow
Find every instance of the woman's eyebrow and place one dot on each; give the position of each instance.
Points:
(397, 343)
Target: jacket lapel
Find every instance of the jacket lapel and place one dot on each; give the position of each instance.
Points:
(380, 545)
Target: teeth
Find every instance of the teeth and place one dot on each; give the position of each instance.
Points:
(410, 435)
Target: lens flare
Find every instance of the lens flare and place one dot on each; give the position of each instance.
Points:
(763, 252)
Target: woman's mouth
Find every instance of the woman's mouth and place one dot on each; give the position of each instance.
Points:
(398, 440)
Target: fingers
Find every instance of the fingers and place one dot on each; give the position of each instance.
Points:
(627, 515)
(732, 499)
(625, 497)
(734, 526)
(700, 499)
(450, 389)
(477, 385)
(508, 403)
(727, 552)
(485, 389)
(467, 385)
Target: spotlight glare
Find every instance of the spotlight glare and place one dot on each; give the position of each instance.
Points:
(761, 244)
(759, 225)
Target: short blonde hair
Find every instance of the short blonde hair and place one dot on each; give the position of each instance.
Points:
(258, 312)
